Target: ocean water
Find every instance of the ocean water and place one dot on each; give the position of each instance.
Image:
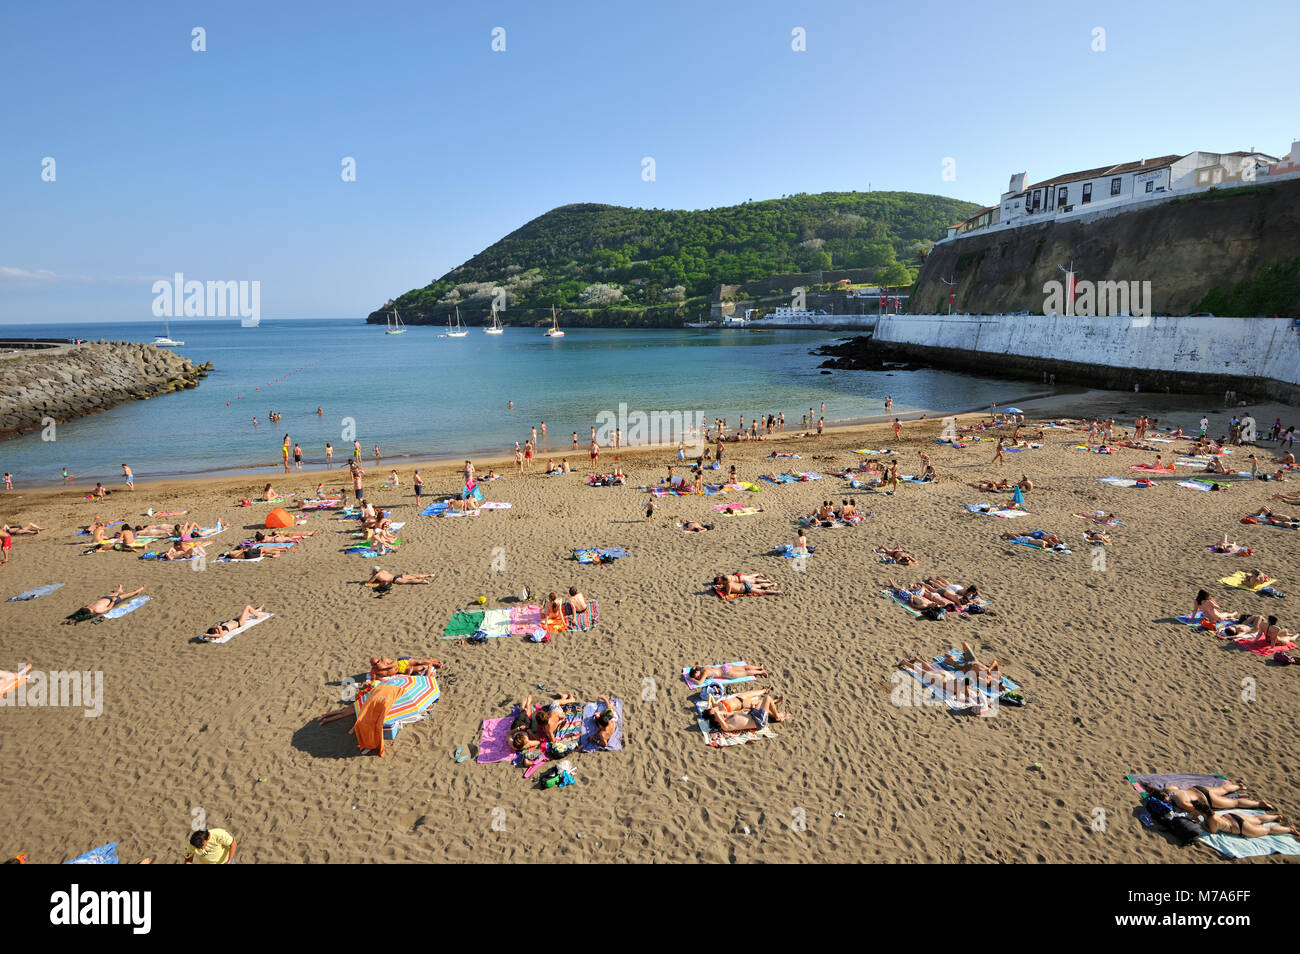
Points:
(422, 395)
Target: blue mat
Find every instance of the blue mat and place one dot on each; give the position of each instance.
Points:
(35, 593)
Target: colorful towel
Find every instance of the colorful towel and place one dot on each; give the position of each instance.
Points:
(581, 622)
(595, 555)
(915, 614)
(1257, 645)
(35, 593)
(694, 686)
(1194, 620)
(463, 624)
(1167, 469)
(434, 509)
(494, 743)
(589, 728)
(103, 855)
(1026, 542)
(956, 653)
(1005, 514)
(525, 619)
(235, 632)
(787, 550)
(1238, 580)
(1191, 485)
(722, 740)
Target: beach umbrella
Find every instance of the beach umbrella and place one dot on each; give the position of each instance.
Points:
(415, 694)
(1012, 410)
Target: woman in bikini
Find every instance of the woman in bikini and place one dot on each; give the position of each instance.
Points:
(1201, 798)
(102, 605)
(749, 720)
(229, 626)
(1209, 609)
(700, 674)
(897, 555)
(963, 595)
(1245, 826)
(917, 598)
(690, 526)
(606, 723)
(734, 584)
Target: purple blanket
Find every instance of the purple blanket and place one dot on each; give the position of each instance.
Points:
(589, 728)
(494, 746)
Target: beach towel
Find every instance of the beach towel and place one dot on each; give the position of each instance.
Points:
(911, 479)
(35, 593)
(1194, 620)
(103, 855)
(434, 509)
(494, 742)
(1238, 580)
(159, 554)
(1025, 542)
(1235, 846)
(721, 740)
(943, 690)
(1257, 645)
(1237, 550)
(915, 614)
(787, 550)
(9, 681)
(581, 622)
(1178, 780)
(367, 549)
(494, 505)
(122, 609)
(589, 728)
(1212, 481)
(1167, 469)
(463, 624)
(983, 687)
(1004, 513)
(694, 686)
(597, 555)
(235, 632)
(1118, 481)
(525, 619)
(868, 450)
(734, 510)
(84, 532)
(225, 559)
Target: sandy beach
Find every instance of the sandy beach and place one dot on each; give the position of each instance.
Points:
(226, 733)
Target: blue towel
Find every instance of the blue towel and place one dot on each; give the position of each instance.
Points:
(1235, 846)
(130, 606)
(35, 593)
(103, 855)
(434, 509)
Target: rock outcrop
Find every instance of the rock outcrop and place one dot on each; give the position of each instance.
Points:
(71, 381)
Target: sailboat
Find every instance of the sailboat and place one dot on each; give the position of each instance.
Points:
(554, 331)
(395, 326)
(165, 339)
(494, 328)
(459, 331)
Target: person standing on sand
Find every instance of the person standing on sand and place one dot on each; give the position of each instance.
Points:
(357, 477)
(356, 451)
(297, 457)
(528, 456)
(997, 454)
(575, 440)
(519, 458)
(898, 429)
(284, 452)
(6, 544)
(618, 438)
(127, 476)
(594, 451)
(329, 456)
(418, 481)
(718, 454)
(821, 421)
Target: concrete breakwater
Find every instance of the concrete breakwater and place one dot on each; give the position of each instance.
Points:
(63, 382)
(1255, 356)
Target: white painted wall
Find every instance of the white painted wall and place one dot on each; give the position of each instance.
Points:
(1251, 347)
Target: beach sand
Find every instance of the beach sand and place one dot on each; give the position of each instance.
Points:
(224, 734)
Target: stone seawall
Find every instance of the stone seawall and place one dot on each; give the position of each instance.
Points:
(71, 381)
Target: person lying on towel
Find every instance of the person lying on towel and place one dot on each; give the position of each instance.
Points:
(606, 723)
(897, 555)
(1037, 538)
(382, 579)
(761, 709)
(102, 605)
(702, 674)
(1201, 798)
(921, 596)
(754, 584)
(248, 613)
(961, 595)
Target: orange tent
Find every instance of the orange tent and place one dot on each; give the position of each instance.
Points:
(279, 517)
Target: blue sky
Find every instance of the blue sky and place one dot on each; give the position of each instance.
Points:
(225, 164)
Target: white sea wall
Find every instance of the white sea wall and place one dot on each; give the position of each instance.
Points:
(1220, 347)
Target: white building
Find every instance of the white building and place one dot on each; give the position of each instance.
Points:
(1112, 187)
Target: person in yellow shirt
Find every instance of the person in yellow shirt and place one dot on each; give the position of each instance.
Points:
(215, 847)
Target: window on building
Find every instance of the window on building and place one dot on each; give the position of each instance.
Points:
(1115, 185)
(1062, 195)
(1087, 193)
(1151, 185)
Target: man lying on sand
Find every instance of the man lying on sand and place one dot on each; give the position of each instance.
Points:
(897, 555)
(735, 584)
(102, 605)
(992, 486)
(382, 667)
(251, 553)
(382, 578)
(701, 674)
(756, 717)
(26, 530)
(690, 526)
(248, 613)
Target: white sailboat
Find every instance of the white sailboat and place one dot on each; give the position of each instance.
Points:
(165, 339)
(554, 331)
(459, 331)
(494, 328)
(395, 326)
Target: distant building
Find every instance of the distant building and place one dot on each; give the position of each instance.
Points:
(1126, 184)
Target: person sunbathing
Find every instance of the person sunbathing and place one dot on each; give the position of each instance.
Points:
(277, 537)
(606, 723)
(250, 553)
(749, 720)
(701, 674)
(989, 676)
(897, 555)
(1105, 519)
(1215, 466)
(382, 540)
(735, 584)
(1025, 484)
(1209, 609)
(26, 530)
(1254, 578)
(547, 720)
(1204, 797)
(382, 578)
(576, 603)
(963, 595)
(268, 493)
(1096, 538)
(182, 551)
(185, 531)
(848, 511)
(125, 538)
(1266, 515)
(992, 486)
(1286, 460)
(690, 526)
(381, 667)
(960, 686)
(465, 505)
(248, 614)
(1234, 548)
(800, 545)
(102, 605)
(1245, 826)
(1036, 538)
(917, 598)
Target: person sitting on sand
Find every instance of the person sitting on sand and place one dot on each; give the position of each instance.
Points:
(1025, 484)
(553, 613)
(382, 578)
(606, 723)
(248, 613)
(897, 555)
(182, 551)
(381, 667)
(800, 546)
(576, 603)
(125, 538)
(382, 539)
(1286, 460)
(1215, 466)
(690, 526)
(736, 584)
(703, 674)
(749, 720)
(546, 720)
(848, 511)
(268, 493)
(102, 605)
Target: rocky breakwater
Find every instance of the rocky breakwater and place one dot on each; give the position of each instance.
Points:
(70, 381)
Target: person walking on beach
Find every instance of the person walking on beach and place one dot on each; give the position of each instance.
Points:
(6, 544)
(1205, 426)
(595, 451)
(128, 477)
(997, 454)
(297, 457)
(358, 475)
(898, 429)
(329, 456)
(821, 421)
(418, 481)
(519, 458)
(528, 456)
(356, 451)
(284, 452)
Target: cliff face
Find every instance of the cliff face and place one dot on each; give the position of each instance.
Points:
(1184, 247)
(71, 381)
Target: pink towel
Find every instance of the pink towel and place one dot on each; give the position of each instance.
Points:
(494, 746)
(1256, 645)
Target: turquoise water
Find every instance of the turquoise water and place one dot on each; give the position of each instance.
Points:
(423, 395)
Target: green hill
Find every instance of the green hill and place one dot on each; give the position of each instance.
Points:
(609, 265)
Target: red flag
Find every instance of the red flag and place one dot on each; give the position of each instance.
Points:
(952, 295)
